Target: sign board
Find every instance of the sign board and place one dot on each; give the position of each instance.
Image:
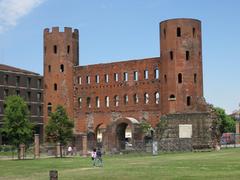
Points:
(185, 130)
(155, 148)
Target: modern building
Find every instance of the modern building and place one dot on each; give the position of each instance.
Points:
(106, 99)
(28, 85)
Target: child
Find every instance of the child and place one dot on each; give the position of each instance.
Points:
(94, 155)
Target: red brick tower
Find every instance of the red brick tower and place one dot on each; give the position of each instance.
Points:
(60, 56)
(181, 65)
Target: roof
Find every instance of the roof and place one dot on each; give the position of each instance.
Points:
(4, 67)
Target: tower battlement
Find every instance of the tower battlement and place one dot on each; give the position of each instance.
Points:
(66, 30)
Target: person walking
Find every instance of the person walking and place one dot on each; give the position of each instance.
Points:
(93, 156)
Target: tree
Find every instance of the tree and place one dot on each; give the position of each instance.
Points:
(226, 122)
(16, 125)
(59, 128)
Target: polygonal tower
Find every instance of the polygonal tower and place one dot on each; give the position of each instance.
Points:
(181, 65)
(60, 57)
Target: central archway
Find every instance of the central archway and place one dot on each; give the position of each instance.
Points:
(122, 132)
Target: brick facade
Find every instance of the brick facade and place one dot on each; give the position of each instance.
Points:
(101, 96)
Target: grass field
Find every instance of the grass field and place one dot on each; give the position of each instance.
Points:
(224, 164)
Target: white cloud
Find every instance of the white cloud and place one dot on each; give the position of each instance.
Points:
(12, 10)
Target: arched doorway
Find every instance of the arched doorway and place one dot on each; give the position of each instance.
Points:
(91, 140)
(122, 133)
(100, 129)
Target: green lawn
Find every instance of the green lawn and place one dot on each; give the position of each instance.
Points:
(224, 164)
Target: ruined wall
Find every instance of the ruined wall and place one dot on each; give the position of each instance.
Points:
(203, 132)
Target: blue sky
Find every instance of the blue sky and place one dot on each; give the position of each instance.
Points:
(112, 30)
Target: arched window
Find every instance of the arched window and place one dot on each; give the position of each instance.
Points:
(88, 79)
(125, 99)
(107, 101)
(146, 74)
(49, 108)
(88, 102)
(116, 100)
(171, 55)
(80, 102)
(157, 98)
(135, 98)
(125, 76)
(172, 97)
(61, 68)
(135, 76)
(180, 78)
(68, 49)
(165, 78)
(97, 102)
(97, 79)
(195, 78)
(146, 98)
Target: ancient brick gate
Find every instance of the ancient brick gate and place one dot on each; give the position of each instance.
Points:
(114, 137)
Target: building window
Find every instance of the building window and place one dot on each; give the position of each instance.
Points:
(68, 49)
(97, 79)
(49, 68)
(164, 33)
(39, 83)
(188, 100)
(5, 79)
(28, 82)
(49, 108)
(195, 78)
(106, 78)
(39, 96)
(79, 80)
(17, 81)
(125, 76)
(116, 77)
(88, 79)
(97, 102)
(178, 32)
(5, 92)
(157, 98)
(193, 32)
(165, 78)
(187, 55)
(80, 102)
(172, 97)
(135, 98)
(107, 101)
(135, 76)
(146, 98)
(61, 68)
(39, 110)
(116, 101)
(17, 92)
(55, 87)
(55, 49)
(146, 74)
(29, 109)
(179, 78)
(88, 102)
(156, 73)
(125, 99)
(29, 96)
(171, 55)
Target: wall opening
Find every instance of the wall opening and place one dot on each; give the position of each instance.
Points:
(61, 68)
(157, 98)
(165, 78)
(188, 100)
(55, 87)
(146, 74)
(135, 98)
(179, 78)
(116, 100)
(187, 55)
(106, 78)
(171, 55)
(195, 78)
(125, 99)
(55, 49)
(88, 102)
(193, 32)
(178, 32)
(68, 49)
(49, 108)
(80, 102)
(172, 97)
(164, 33)
(146, 98)
(97, 102)
(156, 73)
(135, 76)
(116, 77)
(107, 101)
(125, 76)
(97, 79)
(49, 68)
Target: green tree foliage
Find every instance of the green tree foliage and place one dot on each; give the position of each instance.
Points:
(226, 122)
(59, 128)
(161, 128)
(16, 125)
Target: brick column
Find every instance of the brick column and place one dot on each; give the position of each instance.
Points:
(22, 151)
(58, 150)
(84, 144)
(36, 146)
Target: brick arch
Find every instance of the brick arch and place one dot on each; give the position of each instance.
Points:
(113, 135)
